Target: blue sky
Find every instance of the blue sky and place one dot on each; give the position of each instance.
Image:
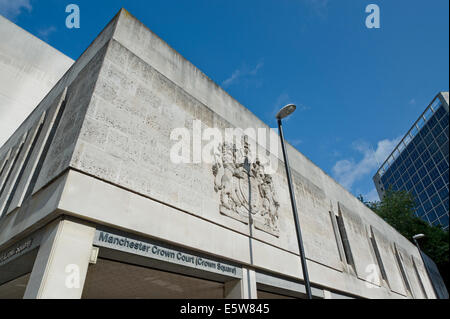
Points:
(358, 89)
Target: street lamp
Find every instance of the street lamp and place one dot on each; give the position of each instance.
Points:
(415, 238)
(284, 112)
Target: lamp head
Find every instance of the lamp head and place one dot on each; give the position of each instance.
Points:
(418, 236)
(286, 111)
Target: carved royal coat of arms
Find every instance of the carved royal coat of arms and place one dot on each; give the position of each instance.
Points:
(246, 193)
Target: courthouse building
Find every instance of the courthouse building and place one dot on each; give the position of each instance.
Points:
(92, 204)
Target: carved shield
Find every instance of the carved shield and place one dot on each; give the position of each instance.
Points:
(249, 192)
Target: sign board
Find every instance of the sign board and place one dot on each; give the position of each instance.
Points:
(163, 252)
(20, 248)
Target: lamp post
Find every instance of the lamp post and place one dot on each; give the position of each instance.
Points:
(415, 238)
(284, 112)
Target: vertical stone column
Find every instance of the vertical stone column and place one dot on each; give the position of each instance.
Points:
(244, 288)
(62, 261)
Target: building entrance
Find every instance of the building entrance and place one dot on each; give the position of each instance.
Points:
(109, 279)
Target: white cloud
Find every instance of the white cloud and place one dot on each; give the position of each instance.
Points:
(282, 100)
(243, 72)
(295, 142)
(45, 32)
(371, 196)
(320, 7)
(11, 9)
(349, 171)
(232, 78)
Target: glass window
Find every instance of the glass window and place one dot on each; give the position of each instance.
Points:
(411, 170)
(436, 222)
(437, 157)
(441, 139)
(415, 179)
(419, 187)
(432, 215)
(410, 148)
(408, 162)
(24, 164)
(444, 220)
(389, 182)
(436, 130)
(443, 193)
(422, 172)
(440, 210)
(445, 176)
(5, 164)
(432, 121)
(433, 147)
(434, 173)
(396, 175)
(400, 181)
(423, 197)
(443, 113)
(428, 139)
(424, 131)
(426, 181)
(406, 176)
(435, 200)
(430, 190)
(440, 112)
(420, 211)
(442, 166)
(429, 165)
(393, 166)
(446, 204)
(427, 206)
(439, 183)
(414, 154)
(444, 149)
(421, 147)
(345, 241)
(12, 167)
(418, 163)
(425, 156)
(409, 185)
(391, 179)
(403, 156)
(389, 173)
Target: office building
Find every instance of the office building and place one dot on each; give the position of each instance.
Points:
(419, 164)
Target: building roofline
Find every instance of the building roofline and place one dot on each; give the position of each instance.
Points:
(409, 131)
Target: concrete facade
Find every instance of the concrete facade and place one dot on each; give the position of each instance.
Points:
(96, 156)
(29, 68)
